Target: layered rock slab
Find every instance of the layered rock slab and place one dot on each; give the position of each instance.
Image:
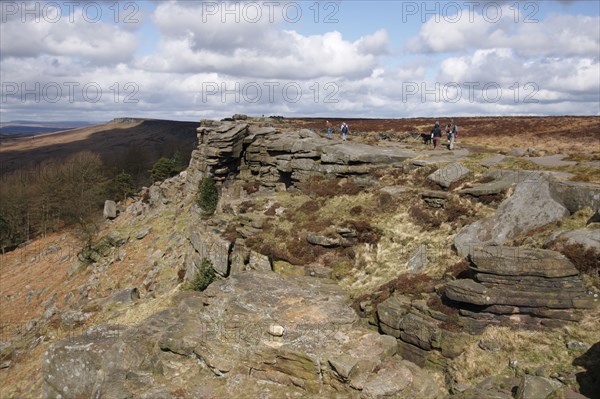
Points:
(520, 285)
(296, 334)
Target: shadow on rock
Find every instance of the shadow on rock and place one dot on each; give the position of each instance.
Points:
(589, 380)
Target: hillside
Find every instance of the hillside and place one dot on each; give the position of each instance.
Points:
(112, 141)
(21, 129)
(374, 268)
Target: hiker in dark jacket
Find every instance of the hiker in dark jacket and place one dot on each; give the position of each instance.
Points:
(436, 134)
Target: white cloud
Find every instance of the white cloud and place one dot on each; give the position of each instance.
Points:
(183, 74)
(569, 76)
(69, 35)
(261, 49)
(557, 35)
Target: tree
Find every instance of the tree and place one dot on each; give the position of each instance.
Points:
(123, 185)
(178, 162)
(167, 167)
(162, 169)
(206, 275)
(207, 196)
(83, 193)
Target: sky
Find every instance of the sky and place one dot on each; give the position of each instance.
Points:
(191, 60)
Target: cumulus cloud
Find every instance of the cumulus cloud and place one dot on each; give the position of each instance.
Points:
(193, 40)
(53, 32)
(557, 35)
(574, 75)
(202, 67)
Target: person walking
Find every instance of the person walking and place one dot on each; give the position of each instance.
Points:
(329, 129)
(454, 130)
(450, 136)
(436, 134)
(344, 130)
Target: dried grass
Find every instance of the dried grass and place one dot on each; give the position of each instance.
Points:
(531, 349)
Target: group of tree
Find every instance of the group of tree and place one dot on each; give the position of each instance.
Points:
(46, 197)
(37, 200)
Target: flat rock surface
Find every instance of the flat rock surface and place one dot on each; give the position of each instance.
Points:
(270, 336)
(449, 174)
(442, 156)
(362, 153)
(491, 161)
(551, 160)
(521, 261)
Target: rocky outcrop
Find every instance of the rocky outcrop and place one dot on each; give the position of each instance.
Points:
(270, 336)
(435, 198)
(270, 156)
(531, 206)
(526, 387)
(521, 286)
(422, 333)
(539, 198)
(210, 245)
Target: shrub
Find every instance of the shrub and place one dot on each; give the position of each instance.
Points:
(177, 162)
(272, 211)
(206, 275)
(405, 284)
(356, 210)
(162, 169)
(310, 206)
(208, 196)
(251, 187)
(424, 217)
(323, 187)
(586, 260)
(459, 269)
(365, 232)
(167, 167)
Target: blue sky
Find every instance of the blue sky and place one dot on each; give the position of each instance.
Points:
(190, 60)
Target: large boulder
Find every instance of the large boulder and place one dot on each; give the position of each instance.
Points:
(521, 261)
(576, 195)
(110, 209)
(531, 206)
(534, 387)
(212, 246)
(449, 174)
(589, 239)
(595, 217)
(70, 369)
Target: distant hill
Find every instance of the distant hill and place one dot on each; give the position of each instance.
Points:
(120, 143)
(22, 128)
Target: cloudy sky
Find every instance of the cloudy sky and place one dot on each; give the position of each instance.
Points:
(187, 60)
